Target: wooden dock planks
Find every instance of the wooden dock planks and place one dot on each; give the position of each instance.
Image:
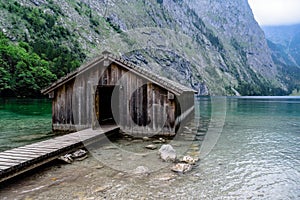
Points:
(19, 160)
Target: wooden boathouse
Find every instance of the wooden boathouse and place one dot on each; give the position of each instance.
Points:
(111, 90)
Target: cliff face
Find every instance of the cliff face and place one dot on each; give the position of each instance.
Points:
(288, 38)
(234, 23)
(284, 42)
(213, 46)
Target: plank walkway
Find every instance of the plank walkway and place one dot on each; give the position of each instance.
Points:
(19, 160)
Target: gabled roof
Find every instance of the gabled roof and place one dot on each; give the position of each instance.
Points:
(150, 76)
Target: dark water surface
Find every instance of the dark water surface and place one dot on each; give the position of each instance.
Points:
(24, 121)
(251, 151)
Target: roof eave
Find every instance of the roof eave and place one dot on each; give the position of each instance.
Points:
(72, 75)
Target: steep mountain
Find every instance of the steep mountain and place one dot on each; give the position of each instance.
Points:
(287, 37)
(284, 42)
(215, 47)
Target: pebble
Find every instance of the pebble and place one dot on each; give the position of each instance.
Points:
(165, 177)
(151, 146)
(200, 134)
(189, 160)
(194, 145)
(162, 140)
(137, 140)
(187, 129)
(66, 158)
(181, 168)
(141, 170)
(110, 147)
(194, 153)
(199, 138)
(156, 141)
(176, 145)
(79, 154)
(146, 138)
(102, 188)
(194, 148)
(99, 167)
(202, 130)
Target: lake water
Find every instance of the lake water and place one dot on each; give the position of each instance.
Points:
(24, 121)
(251, 150)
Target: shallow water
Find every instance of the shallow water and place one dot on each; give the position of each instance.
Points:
(251, 151)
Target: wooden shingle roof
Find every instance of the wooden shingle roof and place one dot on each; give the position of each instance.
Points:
(163, 82)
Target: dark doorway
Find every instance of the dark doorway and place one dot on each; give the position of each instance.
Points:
(105, 102)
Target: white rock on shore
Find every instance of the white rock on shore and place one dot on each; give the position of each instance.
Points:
(167, 153)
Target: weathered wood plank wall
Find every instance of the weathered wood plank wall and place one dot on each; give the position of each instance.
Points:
(143, 107)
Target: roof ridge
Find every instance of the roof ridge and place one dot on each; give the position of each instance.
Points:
(170, 83)
(163, 81)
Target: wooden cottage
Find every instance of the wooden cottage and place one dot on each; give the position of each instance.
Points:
(109, 90)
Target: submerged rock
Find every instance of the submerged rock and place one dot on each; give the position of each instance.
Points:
(102, 188)
(66, 158)
(165, 177)
(77, 155)
(167, 153)
(146, 139)
(156, 141)
(181, 168)
(151, 146)
(187, 129)
(162, 140)
(189, 160)
(199, 134)
(137, 140)
(140, 170)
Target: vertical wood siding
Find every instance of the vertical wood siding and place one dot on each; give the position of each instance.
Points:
(143, 107)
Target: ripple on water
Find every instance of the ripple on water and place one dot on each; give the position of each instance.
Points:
(256, 157)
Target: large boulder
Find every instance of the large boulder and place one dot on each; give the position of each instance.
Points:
(167, 153)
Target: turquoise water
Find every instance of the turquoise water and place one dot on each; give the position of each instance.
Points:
(257, 155)
(24, 121)
(251, 150)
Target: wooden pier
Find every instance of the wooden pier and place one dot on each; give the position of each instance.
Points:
(22, 159)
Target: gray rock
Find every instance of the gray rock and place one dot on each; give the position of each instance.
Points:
(167, 153)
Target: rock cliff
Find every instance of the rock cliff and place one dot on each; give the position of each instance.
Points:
(215, 46)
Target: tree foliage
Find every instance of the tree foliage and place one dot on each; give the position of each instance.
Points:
(22, 71)
(46, 52)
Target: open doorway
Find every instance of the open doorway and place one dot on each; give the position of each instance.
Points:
(105, 102)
